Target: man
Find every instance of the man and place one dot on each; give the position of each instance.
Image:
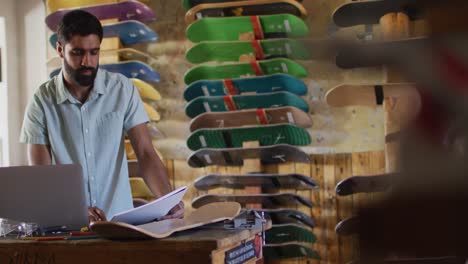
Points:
(80, 117)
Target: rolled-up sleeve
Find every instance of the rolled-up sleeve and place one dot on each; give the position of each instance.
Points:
(135, 113)
(34, 129)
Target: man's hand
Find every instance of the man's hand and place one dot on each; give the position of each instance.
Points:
(96, 214)
(174, 213)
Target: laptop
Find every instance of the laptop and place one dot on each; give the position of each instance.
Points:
(52, 195)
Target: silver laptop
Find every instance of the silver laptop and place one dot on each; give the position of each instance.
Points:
(50, 196)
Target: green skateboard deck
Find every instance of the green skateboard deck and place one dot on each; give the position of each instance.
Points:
(252, 117)
(245, 8)
(267, 200)
(221, 51)
(367, 95)
(239, 102)
(365, 184)
(277, 82)
(289, 233)
(287, 216)
(262, 27)
(266, 181)
(289, 250)
(234, 137)
(235, 156)
(244, 69)
(370, 11)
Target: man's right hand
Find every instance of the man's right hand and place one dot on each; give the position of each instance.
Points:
(95, 214)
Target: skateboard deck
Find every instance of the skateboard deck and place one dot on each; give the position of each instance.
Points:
(348, 226)
(244, 69)
(131, 69)
(109, 56)
(288, 216)
(125, 10)
(145, 90)
(365, 184)
(289, 233)
(153, 114)
(370, 12)
(349, 57)
(129, 32)
(140, 189)
(289, 250)
(208, 214)
(278, 115)
(235, 156)
(245, 8)
(266, 181)
(267, 200)
(204, 104)
(261, 84)
(230, 28)
(54, 5)
(367, 95)
(234, 137)
(191, 3)
(221, 51)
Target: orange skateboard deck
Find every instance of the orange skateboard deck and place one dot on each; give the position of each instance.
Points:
(279, 115)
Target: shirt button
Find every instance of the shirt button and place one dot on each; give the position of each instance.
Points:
(83, 108)
(86, 131)
(92, 178)
(94, 201)
(89, 154)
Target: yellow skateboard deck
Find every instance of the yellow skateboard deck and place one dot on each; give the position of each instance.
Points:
(145, 90)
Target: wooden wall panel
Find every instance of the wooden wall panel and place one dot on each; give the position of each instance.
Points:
(328, 208)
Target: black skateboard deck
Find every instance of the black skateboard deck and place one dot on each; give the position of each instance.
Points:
(235, 156)
(288, 216)
(266, 181)
(267, 200)
(289, 250)
(370, 12)
(289, 233)
(348, 226)
(365, 184)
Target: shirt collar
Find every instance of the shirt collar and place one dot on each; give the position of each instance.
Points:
(63, 94)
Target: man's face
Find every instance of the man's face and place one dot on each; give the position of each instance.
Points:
(81, 59)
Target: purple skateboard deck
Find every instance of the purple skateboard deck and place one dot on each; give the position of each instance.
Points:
(127, 10)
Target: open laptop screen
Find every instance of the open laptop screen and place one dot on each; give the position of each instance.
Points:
(52, 195)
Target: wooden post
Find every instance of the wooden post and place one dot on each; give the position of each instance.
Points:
(394, 26)
(252, 166)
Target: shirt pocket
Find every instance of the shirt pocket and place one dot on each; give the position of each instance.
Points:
(110, 126)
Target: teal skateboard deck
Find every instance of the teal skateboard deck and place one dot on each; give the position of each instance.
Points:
(266, 200)
(235, 156)
(289, 250)
(289, 233)
(131, 69)
(262, 27)
(277, 82)
(239, 102)
(129, 32)
(287, 216)
(252, 117)
(245, 8)
(221, 51)
(234, 137)
(370, 11)
(266, 181)
(244, 69)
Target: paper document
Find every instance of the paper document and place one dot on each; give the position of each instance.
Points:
(152, 210)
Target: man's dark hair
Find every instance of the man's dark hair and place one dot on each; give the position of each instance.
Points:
(80, 23)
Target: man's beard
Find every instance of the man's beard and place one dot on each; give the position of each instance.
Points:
(77, 75)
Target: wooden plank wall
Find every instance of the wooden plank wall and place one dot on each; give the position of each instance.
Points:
(329, 209)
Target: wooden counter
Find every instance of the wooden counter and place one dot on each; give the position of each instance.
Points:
(194, 246)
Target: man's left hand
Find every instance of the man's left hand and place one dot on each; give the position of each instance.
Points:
(174, 213)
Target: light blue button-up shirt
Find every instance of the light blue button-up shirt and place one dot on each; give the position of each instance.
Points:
(90, 134)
